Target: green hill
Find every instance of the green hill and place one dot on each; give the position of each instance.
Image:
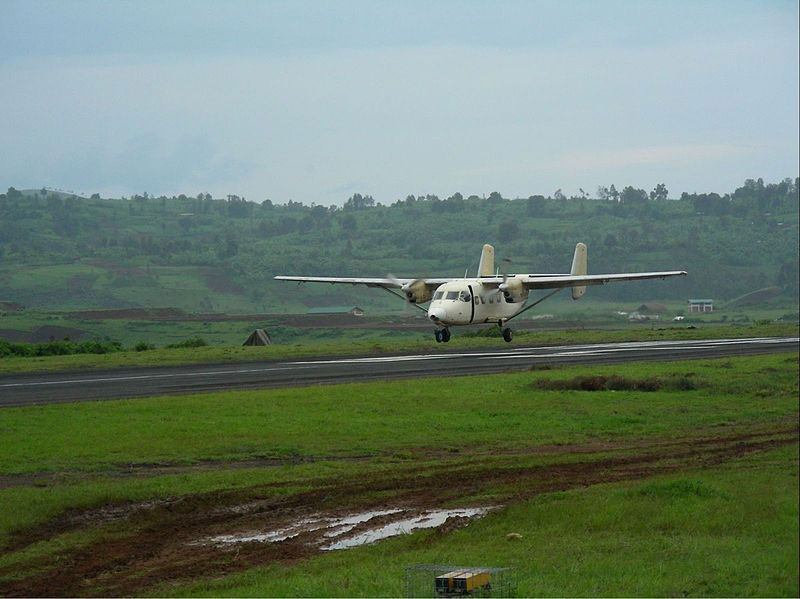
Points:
(201, 254)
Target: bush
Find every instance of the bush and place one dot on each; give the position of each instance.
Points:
(57, 348)
(618, 383)
(191, 342)
(143, 346)
(599, 383)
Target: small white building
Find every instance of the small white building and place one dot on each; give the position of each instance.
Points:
(701, 305)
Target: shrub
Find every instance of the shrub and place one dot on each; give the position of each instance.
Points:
(191, 342)
(599, 383)
(58, 348)
(618, 383)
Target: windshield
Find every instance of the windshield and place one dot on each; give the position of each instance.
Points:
(451, 295)
(438, 295)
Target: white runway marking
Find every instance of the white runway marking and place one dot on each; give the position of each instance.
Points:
(511, 353)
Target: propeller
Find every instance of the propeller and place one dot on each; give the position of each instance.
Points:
(505, 263)
(410, 289)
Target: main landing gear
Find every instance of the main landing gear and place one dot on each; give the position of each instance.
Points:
(442, 335)
(507, 334)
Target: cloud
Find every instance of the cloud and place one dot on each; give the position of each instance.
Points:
(316, 124)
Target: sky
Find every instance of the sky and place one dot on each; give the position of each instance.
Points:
(315, 101)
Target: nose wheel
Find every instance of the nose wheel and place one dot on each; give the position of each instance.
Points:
(507, 335)
(442, 335)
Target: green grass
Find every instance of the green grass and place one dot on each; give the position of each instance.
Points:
(369, 418)
(734, 533)
(729, 529)
(386, 342)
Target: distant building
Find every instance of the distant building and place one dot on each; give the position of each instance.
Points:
(352, 310)
(701, 305)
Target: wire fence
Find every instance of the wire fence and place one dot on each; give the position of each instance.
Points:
(440, 580)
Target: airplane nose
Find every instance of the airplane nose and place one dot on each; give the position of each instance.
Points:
(435, 314)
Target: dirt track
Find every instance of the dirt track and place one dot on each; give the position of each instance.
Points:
(148, 543)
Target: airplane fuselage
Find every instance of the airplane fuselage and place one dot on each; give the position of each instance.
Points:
(469, 301)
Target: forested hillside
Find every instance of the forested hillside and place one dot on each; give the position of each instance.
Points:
(202, 254)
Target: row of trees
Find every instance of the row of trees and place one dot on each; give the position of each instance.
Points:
(765, 197)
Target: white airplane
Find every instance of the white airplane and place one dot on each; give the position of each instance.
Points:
(491, 297)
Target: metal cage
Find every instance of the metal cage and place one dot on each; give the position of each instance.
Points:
(440, 580)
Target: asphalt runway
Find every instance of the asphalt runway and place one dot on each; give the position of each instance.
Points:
(21, 390)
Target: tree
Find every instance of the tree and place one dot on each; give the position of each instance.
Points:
(630, 195)
(508, 231)
(349, 223)
(359, 202)
(613, 193)
(495, 197)
(558, 195)
(455, 202)
(536, 205)
(602, 192)
(659, 192)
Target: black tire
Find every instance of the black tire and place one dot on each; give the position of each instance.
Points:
(445, 335)
(438, 334)
(507, 335)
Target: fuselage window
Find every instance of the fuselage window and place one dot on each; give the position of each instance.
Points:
(451, 295)
(438, 295)
(464, 296)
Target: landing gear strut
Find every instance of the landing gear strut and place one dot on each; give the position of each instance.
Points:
(442, 335)
(506, 332)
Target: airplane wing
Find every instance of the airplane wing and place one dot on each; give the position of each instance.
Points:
(561, 281)
(581, 280)
(386, 283)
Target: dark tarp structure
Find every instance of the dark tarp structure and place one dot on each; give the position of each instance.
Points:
(258, 337)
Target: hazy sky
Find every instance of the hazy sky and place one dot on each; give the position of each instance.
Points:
(316, 100)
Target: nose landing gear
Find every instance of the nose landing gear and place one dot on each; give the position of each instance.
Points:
(442, 335)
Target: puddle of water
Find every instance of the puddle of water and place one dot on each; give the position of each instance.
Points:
(336, 528)
(343, 525)
(273, 536)
(430, 519)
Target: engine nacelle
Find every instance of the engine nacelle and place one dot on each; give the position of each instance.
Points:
(416, 292)
(514, 291)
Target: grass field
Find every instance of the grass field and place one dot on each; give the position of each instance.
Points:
(344, 342)
(687, 489)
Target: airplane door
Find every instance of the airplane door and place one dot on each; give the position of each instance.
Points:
(471, 303)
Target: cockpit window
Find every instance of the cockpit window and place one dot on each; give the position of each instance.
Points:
(438, 295)
(464, 296)
(451, 295)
